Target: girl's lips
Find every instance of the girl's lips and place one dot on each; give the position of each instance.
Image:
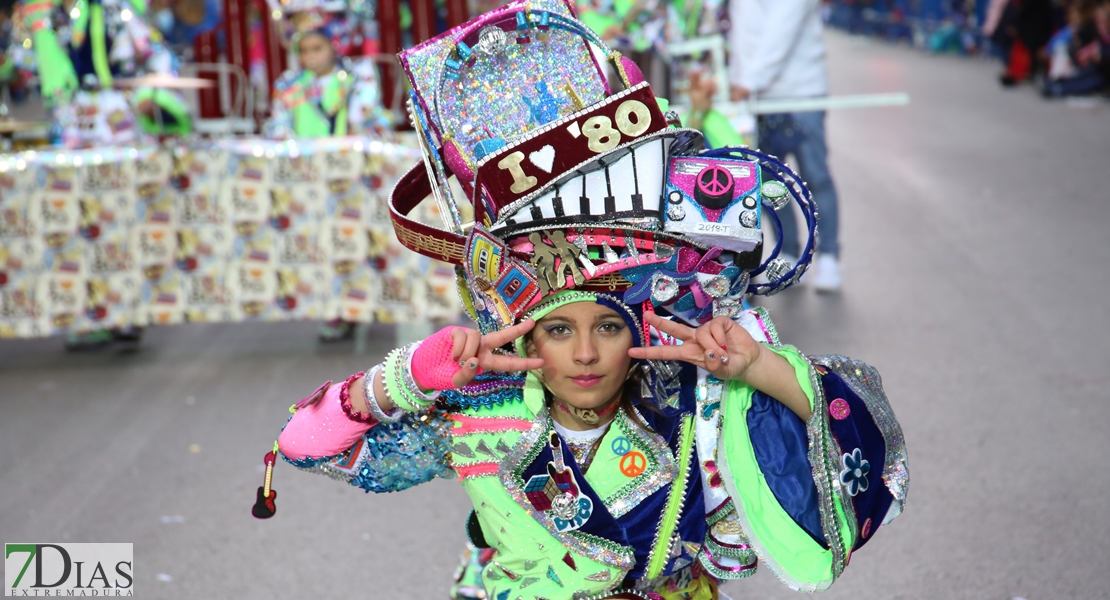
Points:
(586, 380)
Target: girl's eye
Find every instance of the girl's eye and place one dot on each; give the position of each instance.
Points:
(558, 330)
(610, 327)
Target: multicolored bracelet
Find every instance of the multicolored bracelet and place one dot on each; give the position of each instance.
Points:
(401, 386)
(372, 401)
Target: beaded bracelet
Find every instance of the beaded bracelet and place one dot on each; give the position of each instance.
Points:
(372, 401)
(345, 402)
(400, 385)
(411, 386)
(391, 377)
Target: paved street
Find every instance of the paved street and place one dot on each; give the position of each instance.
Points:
(975, 252)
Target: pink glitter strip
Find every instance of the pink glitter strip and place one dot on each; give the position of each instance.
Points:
(719, 507)
(762, 327)
(738, 569)
(620, 265)
(476, 470)
(733, 546)
(465, 424)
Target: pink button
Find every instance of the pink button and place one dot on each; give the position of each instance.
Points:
(839, 409)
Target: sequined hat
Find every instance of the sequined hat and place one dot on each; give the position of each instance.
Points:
(575, 185)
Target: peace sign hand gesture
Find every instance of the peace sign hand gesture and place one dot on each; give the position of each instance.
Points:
(720, 346)
(728, 351)
(473, 353)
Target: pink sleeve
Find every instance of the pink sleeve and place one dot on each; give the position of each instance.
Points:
(323, 428)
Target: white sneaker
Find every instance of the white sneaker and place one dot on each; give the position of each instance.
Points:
(824, 275)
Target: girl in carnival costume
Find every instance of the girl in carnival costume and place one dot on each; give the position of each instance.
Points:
(624, 428)
(79, 47)
(328, 96)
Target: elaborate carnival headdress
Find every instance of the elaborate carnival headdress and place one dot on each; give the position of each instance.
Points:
(576, 186)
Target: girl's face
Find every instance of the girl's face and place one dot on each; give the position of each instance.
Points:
(584, 346)
(1075, 17)
(317, 54)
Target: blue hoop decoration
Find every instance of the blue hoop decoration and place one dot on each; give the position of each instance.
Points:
(778, 171)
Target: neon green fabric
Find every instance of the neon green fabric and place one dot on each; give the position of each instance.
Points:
(335, 98)
(140, 7)
(99, 46)
(675, 495)
(56, 73)
(79, 22)
(689, 16)
(781, 544)
(534, 396)
(518, 539)
(719, 133)
(598, 21)
(170, 103)
(405, 13)
(526, 549)
(309, 121)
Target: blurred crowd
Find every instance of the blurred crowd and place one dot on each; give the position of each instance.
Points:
(1061, 46)
(948, 26)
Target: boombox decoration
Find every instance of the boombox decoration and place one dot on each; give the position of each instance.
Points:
(575, 185)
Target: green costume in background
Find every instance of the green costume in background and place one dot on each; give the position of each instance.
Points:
(346, 101)
(87, 44)
(719, 132)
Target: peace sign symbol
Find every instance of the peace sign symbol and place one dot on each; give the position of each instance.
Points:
(714, 187)
(621, 446)
(632, 464)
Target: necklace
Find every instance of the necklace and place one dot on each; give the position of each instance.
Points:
(584, 452)
(588, 416)
(582, 444)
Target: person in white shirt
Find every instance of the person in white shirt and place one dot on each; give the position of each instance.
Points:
(778, 53)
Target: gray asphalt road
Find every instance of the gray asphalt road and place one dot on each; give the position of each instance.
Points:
(975, 253)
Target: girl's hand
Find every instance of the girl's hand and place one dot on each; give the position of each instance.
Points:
(728, 351)
(612, 32)
(474, 352)
(720, 346)
(702, 90)
(739, 93)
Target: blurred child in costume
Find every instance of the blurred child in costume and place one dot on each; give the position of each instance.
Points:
(80, 47)
(328, 96)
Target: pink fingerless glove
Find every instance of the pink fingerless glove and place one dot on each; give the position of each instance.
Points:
(433, 365)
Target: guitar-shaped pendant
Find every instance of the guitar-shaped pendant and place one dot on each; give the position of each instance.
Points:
(264, 506)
